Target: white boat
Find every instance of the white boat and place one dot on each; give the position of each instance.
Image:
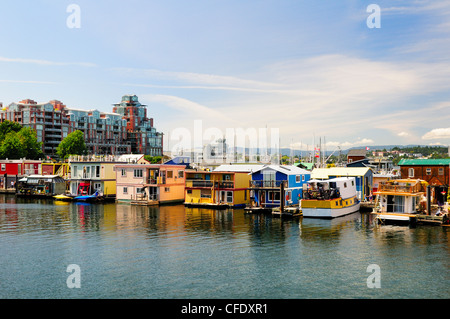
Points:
(398, 200)
(330, 198)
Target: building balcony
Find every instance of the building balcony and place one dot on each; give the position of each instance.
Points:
(267, 184)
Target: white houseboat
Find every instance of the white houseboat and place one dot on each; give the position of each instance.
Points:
(398, 200)
(330, 198)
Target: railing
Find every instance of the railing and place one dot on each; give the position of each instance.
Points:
(400, 188)
(267, 184)
(209, 184)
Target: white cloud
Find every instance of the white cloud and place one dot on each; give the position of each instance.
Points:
(403, 134)
(45, 62)
(437, 133)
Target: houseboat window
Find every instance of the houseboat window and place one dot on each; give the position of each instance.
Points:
(189, 191)
(227, 177)
(75, 171)
(125, 190)
(137, 173)
(97, 171)
(97, 186)
(303, 178)
(274, 196)
(169, 174)
(167, 189)
(297, 178)
(411, 172)
(428, 171)
(180, 174)
(353, 183)
(345, 185)
(229, 197)
(124, 172)
(3, 167)
(441, 171)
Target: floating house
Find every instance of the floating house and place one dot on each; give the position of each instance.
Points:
(363, 177)
(89, 174)
(436, 172)
(149, 184)
(12, 170)
(219, 189)
(271, 181)
(41, 185)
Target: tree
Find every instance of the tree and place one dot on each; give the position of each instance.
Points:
(11, 146)
(7, 127)
(73, 144)
(30, 146)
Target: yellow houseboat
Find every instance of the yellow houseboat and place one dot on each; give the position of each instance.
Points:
(330, 198)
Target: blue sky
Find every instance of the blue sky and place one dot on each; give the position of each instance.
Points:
(308, 68)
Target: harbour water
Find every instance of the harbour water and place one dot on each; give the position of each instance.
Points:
(172, 252)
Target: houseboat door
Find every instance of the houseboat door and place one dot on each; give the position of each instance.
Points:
(262, 200)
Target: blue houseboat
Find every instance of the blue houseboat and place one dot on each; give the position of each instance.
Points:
(269, 181)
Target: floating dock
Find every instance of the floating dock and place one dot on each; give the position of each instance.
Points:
(293, 211)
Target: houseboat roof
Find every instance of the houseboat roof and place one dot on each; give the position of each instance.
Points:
(48, 178)
(247, 168)
(325, 173)
(285, 169)
(337, 179)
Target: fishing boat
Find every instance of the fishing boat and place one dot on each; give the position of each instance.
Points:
(330, 198)
(89, 198)
(398, 201)
(63, 197)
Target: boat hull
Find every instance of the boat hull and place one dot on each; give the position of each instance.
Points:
(321, 212)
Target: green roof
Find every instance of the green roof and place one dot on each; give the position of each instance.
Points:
(427, 162)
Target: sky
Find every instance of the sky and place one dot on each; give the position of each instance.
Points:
(309, 70)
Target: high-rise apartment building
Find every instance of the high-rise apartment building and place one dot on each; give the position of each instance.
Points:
(126, 130)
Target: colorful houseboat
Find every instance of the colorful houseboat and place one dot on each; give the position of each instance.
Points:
(89, 174)
(398, 200)
(150, 184)
(216, 189)
(330, 198)
(277, 185)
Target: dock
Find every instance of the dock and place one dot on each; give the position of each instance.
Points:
(293, 211)
(257, 210)
(145, 202)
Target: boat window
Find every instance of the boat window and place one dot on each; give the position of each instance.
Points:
(332, 184)
(345, 185)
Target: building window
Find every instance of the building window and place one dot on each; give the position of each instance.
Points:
(189, 191)
(297, 178)
(138, 173)
(411, 172)
(167, 189)
(169, 174)
(441, 171)
(303, 178)
(428, 171)
(229, 197)
(3, 167)
(124, 172)
(125, 190)
(180, 174)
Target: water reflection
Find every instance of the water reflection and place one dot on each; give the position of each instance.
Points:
(176, 252)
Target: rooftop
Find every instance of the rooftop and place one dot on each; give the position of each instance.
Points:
(426, 162)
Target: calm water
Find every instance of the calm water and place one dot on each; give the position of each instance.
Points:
(176, 252)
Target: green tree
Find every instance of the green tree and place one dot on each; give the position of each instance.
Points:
(73, 144)
(7, 127)
(11, 146)
(30, 146)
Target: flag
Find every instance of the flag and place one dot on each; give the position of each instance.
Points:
(367, 148)
(316, 152)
